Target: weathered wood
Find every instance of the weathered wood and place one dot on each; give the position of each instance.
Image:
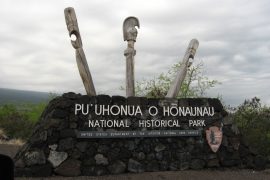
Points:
(181, 73)
(72, 26)
(85, 72)
(73, 29)
(130, 35)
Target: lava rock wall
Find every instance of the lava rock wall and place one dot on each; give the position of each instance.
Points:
(54, 148)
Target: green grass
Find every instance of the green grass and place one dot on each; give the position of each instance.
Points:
(33, 111)
(18, 120)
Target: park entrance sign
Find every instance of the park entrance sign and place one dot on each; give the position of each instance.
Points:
(99, 134)
(141, 117)
(135, 117)
(69, 141)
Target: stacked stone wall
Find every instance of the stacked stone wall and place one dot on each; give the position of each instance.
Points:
(55, 149)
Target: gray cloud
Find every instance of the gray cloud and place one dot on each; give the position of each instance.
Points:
(35, 52)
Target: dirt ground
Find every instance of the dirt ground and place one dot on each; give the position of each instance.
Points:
(11, 150)
(176, 175)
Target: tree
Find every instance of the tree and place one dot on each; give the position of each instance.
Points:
(194, 85)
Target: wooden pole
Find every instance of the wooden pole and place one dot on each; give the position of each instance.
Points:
(181, 74)
(130, 35)
(73, 29)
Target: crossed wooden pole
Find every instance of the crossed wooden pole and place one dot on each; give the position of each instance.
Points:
(130, 34)
(182, 71)
(73, 29)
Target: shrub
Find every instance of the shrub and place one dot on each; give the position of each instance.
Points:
(33, 111)
(18, 121)
(253, 120)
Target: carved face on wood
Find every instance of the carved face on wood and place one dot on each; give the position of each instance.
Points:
(214, 138)
(132, 33)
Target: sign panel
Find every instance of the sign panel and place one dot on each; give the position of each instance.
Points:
(151, 118)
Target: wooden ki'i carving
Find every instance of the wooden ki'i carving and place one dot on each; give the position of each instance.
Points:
(73, 29)
(130, 35)
(182, 71)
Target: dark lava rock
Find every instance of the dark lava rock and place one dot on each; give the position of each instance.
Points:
(163, 165)
(213, 163)
(66, 144)
(124, 153)
(85, 99)
(41, 170)
(133, 100)
(260, 162)
(51, 122)
(190, 140)
(88, 170)
(184, 166)
(101, 160)
(34, 158)
(89, 161)
(59, 113)
(67, 133)
(183, 156)
(135, 166)
(113, 154)
(76, 154)
(90, 152)
(39, 137)
(243, 151)
(138, 155)
(82, 146)
(160, 147)
(104, 99)
(71, 95)
(197, 164)
(211, 156)
(117, 167)
(103, 149)
(174, 166)
(23, 172)
(183, 102)
(150, 156)
(198, 102)
(143, 101)
(215, 103)
(227, 131)
(99, 171)
(248, 162)
(70, 167)
(228, 162)
(130, 145)
(152, 166)
(168, 155)
(153, 102)
(159, 156)
(119, 100)
(19, 164)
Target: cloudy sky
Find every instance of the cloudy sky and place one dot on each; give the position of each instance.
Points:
(234, 36)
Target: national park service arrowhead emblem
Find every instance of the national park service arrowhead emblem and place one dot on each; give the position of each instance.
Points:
(214, 137)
